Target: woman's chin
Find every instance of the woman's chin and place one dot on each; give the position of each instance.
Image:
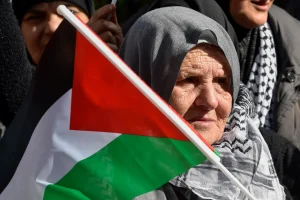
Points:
(211, 138)
(210, 133)
(252, 20)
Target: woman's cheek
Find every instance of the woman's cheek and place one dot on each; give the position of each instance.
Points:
(181, 100)
(225, 105)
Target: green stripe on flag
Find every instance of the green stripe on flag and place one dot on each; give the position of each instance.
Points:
(127, 167)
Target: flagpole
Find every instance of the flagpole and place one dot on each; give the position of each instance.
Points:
(113, 2)
(148, 93)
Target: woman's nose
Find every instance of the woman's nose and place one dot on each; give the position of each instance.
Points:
(207, 97)
(54, 21)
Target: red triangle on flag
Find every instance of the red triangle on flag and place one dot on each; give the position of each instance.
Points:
(104, 100)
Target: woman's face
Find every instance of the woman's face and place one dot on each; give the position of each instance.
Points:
(250, 13)
(40, 22)
(202, 91)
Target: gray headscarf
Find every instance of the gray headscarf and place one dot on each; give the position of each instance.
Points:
(155, 48)
(156, 45)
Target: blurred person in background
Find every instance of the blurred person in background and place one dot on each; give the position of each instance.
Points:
(36, 21)
(39, 19)
(15, 68)
(269, 45)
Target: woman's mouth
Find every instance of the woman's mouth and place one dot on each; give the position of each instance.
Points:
(262, 5)
(202, 122)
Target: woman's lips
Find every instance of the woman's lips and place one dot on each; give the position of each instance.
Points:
(261, 5)
(202, 122)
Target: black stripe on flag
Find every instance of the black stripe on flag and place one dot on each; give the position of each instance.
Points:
(53, 78)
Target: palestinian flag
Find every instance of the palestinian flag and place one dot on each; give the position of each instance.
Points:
(85, 132)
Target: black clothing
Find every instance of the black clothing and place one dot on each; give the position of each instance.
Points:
(15, 68)
(208, 8)
(286, 158)
(291, 6)
(18, 134)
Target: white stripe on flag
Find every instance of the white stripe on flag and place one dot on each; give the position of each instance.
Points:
(52, 152)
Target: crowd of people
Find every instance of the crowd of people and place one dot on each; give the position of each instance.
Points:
(230, 68)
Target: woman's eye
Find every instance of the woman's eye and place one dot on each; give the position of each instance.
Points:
(189, 80)
(222, 80)
(33, 17)
(72, 11)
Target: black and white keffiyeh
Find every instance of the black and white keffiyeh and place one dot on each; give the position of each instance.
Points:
(244, 153)
(262, 78)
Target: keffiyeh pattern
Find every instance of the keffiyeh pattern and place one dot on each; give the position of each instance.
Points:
(244, 153)
(262, 78)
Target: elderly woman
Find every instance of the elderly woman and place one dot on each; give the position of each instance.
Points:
(39, 19)
(268, 46)
(191, 62)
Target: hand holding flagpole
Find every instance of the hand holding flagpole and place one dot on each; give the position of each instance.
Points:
(113, 2)
(148, 93)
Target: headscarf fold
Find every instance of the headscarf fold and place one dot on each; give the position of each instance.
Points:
(156, 54)
(154, 48)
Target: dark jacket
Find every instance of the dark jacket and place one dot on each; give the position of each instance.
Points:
(15, 68)
(286, 31)
(286, 158)
(291, 6)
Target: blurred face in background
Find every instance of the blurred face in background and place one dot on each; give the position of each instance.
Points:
(250, 13)
(39, 24)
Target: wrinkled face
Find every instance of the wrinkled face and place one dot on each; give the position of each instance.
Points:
(202, 91)
(250, 13)
(40, 22)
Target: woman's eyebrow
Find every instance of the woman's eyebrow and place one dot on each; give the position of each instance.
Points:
(34, 11)
(70, 5)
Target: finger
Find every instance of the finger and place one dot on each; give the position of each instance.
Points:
(108, 37)
(114, 17)
(102, 26)
(102, 13)
(113, 47)
(119, 39)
